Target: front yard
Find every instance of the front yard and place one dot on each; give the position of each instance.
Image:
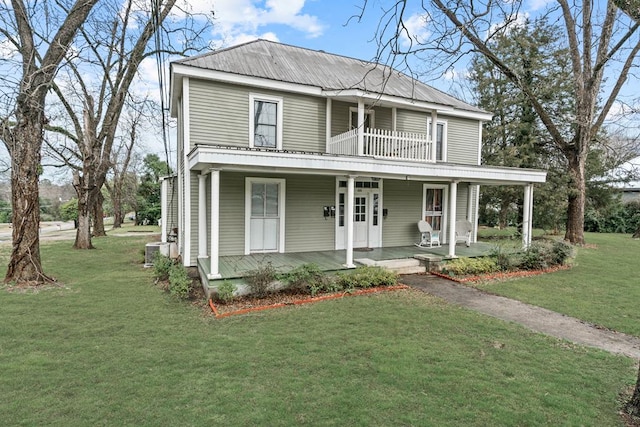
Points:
(110, 348)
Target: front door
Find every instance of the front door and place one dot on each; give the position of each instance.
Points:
(360, 222)
(434, 199)
(265, 217)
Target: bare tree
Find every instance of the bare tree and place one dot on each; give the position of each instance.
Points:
(112, 45)
(598, 40)
(27, 29)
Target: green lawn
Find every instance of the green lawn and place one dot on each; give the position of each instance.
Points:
(112, 349)
(602, 288)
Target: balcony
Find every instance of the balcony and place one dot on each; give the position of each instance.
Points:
(384, 144)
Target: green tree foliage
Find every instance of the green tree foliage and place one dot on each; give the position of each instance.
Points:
(148, 210)
(69, 210)
(5, 211)
(515, 137)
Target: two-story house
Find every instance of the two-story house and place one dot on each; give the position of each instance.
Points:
(290, 150)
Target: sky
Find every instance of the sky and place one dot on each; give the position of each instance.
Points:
(329, 25)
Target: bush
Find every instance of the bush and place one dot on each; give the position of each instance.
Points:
(306, 278)
(365, 277)
(161, 266)
(180, 283)
(561, 252)
(504, 261)
(471, 266)
(225, 291)
(261, 279)
(544, 254)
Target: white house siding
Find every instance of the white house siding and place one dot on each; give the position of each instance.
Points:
(232, 187)
(462, 140)
(412, 121)
(403, 200)
(340, 117)
(306, 227)
(383, 118)
(220, 116)
(219, 113)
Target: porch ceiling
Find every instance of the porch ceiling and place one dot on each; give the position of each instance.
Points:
(202, 158)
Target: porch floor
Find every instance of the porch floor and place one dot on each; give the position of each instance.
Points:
(236, 266)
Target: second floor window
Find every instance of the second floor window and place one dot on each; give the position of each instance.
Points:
(266, 122)
(441, 140)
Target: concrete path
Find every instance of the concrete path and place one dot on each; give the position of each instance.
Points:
(533, 317)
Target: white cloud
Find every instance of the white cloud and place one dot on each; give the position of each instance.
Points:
(7, 49)
(416, 26)
(535, 5)
(242, 20)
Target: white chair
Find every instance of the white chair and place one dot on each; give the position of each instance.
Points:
(464, 229)
(428, 236)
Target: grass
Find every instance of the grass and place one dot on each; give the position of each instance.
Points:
(112, 349)
(602, 287)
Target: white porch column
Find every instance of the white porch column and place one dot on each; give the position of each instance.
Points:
(453, 198)
(434, 134)
(360, 127)
(349, 220)
(202, 215)
(164, 211)
(394, 119)
(214, 252)
(328, 124)
(526, 217)
(531, 214)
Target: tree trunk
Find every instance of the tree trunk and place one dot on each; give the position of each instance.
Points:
(118, 216)
(633, 406)
(636, 235)
(25, 264)
(83, 232)
(98, 215)
(577, 191)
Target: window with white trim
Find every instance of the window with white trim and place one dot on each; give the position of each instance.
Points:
(265, 122)
(441, 139)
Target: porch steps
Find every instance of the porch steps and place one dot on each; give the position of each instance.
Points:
(400, 266)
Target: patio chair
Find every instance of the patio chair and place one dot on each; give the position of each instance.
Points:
(428, 236)
(464, 229)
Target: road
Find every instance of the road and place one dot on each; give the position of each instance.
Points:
(48, 230)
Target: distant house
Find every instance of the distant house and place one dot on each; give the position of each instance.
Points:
(283, 149)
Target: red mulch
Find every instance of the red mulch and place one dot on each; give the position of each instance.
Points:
(273, 300)
(502, 275)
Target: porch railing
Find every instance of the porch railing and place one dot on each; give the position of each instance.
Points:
(384, 144)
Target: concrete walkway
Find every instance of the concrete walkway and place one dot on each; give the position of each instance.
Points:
(533, 317)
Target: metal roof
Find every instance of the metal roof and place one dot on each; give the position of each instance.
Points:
(291, 64)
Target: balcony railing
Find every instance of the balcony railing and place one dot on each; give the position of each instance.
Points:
(384, 144)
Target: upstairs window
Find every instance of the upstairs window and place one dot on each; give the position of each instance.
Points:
(441, 140)
(265, 122)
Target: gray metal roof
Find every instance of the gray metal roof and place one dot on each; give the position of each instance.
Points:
(291, 64)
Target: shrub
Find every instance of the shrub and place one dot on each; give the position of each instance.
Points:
(180, 283)
(225, 291)
(544, 254)
(161, 266)
(365, 277)
(261, 279)
(307, 278)
(504, 261)
(471, 266)
(561, 252)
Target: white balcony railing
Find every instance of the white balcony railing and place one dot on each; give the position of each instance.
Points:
(384, 144)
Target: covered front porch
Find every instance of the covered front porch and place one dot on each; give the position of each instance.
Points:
(237, 266)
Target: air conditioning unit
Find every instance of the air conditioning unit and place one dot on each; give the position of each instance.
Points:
(151, 249)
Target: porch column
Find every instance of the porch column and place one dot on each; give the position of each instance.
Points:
(202, 216)
(394, 119)
(349, 220)
(434, 135)
(360, 127)
(527, 210)
(214, 252)
(453, 198)
(328, 125)
(164, 211)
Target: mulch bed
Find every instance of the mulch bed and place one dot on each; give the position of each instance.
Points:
(502, 275)
(244, 305)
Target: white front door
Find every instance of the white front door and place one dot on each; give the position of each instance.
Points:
(265, 217)
(433, 207)
(360, 221)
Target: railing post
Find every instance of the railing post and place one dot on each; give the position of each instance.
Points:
(360, 127)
